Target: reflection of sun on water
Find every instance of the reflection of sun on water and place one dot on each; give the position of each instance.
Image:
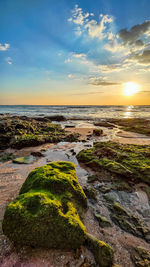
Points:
(130, 88)
(127, 113)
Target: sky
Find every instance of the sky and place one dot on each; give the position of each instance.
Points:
(74, 52)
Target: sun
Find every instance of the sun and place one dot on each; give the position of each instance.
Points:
(130, 88)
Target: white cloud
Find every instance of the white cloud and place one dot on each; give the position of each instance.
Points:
(70, 76)
(4, 47)
(79, 55)
(8, 60)
(94, 29)
(78, 16)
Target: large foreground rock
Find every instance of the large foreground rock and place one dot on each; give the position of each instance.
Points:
(47, 211)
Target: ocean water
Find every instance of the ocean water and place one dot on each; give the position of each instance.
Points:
(79, 112)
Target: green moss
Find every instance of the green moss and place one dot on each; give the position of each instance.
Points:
(141, 257)
(90, 192)
(19, 132)
(57, 177)
(103, 253)
(128, 222)
(46, 213)
(103, 221)
(6, 156)
(138, 125)
(130, 162)
(24, 160)
(92, 178)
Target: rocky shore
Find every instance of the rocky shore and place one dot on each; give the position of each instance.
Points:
(74, 196)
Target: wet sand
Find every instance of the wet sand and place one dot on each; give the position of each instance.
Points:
(13, 175)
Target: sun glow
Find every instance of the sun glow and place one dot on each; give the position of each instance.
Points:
(130, 88)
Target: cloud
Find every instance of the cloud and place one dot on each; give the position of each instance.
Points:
(101, 81)
(96, 29)
(84, 23)
(8, 60)
(79, 55)
(70, 76)
(133, 35)
(4, 47)
(78, 17)
(113, 67)
(142, 58)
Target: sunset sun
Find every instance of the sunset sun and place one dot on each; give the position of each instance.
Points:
(130, 88)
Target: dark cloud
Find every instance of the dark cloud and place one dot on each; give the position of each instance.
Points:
(139, 43)
(99, 81)
(133, 35)
(143, 58)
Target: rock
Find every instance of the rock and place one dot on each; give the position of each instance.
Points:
(128, 222)
(73, 152)
(119, 162)
(104, 189)
(18, 132)
(103, 221)
(69, 126)
(73, 137)
(97, 132)
(6, 156)
(105, 152)
(137, 125)
(111, 197)
(24, 160)
(37, 154)
(92, 178)
(90, 192)
(104, 124)
(141, 257)
(103, 253)
(56, 118)
(47, 211)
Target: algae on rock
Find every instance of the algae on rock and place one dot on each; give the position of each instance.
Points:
(103, 253)
(47, 211)
(131, 163)
(128, 222)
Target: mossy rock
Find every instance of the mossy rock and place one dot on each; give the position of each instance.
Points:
(24, 160)
(20, 131)
(125, 162)
(90, 192)
(103, 221)
(6, 156)
(47, 211)
(97, 132)
(103, 253)
(128, 222)
(141, 257)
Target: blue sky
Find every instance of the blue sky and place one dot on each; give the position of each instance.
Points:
(74, 52)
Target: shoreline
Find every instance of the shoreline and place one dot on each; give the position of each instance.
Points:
(12, 176)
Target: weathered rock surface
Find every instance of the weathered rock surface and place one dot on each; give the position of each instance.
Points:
(103, 253)
(19, 132)
(47, 211)
(130, 163)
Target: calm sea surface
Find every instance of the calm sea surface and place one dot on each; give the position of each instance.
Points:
(80, 112)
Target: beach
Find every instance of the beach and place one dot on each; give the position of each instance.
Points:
(64, 140)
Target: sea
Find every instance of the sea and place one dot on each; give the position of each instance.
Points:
(78, 112)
